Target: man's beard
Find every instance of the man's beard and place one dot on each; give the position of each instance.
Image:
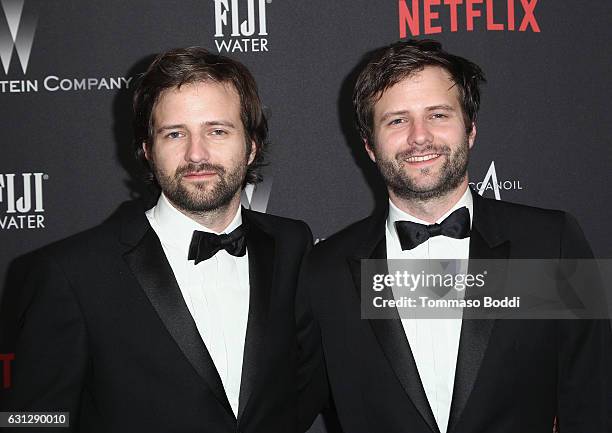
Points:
(452, 172)
(205, 196)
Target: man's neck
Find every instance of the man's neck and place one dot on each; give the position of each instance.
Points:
(218, 219)
(430, 210)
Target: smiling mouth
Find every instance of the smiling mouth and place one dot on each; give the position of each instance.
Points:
(423, 158)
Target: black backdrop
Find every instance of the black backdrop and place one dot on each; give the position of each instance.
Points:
(65, 84)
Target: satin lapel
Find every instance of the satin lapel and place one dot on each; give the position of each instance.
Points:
(260, 247)
(152, 270)
(390, 332)
(485, 243)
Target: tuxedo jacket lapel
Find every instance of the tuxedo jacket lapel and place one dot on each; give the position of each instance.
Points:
(146, 258)
(390, 332)
(486, 242)
(152, 270)
(261, 251)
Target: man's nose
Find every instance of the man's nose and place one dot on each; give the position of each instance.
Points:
(420, 133)
(197, 150)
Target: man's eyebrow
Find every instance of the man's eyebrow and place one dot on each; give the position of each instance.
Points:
(208, 123)
(167, 127)
(445, 107)
(219, 123)
(441, 107)
(393, 113)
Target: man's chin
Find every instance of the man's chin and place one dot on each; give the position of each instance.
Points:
(201, 204)
(202, 198)
(413, 190)
(427, 190)
(199, 191)
(423, 184)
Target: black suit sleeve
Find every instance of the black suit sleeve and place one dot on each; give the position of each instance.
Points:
(51, 345)
(312, 377)
(584, 357)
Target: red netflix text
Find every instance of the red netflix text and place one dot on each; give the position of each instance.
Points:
(424, 16)
(5, 362)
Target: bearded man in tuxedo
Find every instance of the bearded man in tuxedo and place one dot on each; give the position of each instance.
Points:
(416, 108)
(181, 317)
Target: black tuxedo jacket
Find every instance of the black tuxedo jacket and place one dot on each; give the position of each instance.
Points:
(511, 376)
(104, 333)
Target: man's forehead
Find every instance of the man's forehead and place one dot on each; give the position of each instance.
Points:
(191, 85)
(431, 81)
(163, 98)
(427, 77)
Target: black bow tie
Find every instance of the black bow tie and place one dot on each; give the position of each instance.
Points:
(456, 225)
(204, 245)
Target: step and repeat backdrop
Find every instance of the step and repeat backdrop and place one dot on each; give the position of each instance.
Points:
(68, 69)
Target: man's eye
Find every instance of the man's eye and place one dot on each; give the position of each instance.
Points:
(174, 134)
(396, 121)
(439, 116)
(218, 132)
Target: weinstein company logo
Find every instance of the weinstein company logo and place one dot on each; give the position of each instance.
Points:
(21, 196)
(492, 183)
(17, 29)
(436, 16)
(241, 26)
(18, 34)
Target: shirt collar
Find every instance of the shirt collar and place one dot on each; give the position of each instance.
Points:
(396, 214)
(177, 228)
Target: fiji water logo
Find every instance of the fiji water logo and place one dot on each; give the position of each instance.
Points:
(241, 26)
(22, 201)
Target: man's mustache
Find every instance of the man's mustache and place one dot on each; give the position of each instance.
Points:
(196, 168)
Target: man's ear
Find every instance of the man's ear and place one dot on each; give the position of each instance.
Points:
(472, 135)
(370, 149)
(146, 150)
(253, 152)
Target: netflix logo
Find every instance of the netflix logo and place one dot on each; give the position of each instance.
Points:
(427, 17)
(5, 363)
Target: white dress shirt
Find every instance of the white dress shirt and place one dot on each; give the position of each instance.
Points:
(216, 291)
(434, 342)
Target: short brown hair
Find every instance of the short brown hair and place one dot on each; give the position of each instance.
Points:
(181, 66)
(393, 63)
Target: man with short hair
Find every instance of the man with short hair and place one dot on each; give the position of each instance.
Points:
(182, 317)
(416, 109)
